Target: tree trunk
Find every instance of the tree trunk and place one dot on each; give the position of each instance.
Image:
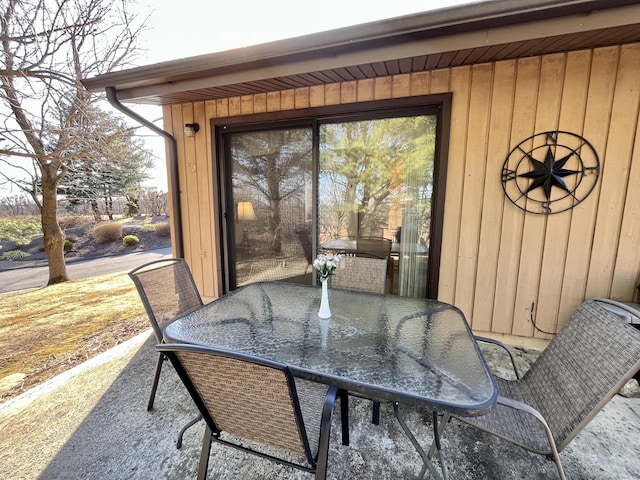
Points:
(96, 211)
(108, 202)
(275, 227)
(53, 234)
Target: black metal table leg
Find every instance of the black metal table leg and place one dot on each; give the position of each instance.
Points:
(428, 464)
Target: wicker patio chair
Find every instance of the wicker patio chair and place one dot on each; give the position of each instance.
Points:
(168, 291)
(361, 271)
(587, 363)
(380, 246)
(248, 402)
(305, 242)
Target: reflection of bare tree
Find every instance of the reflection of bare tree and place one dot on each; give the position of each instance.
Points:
(270, 168)
(336, 213)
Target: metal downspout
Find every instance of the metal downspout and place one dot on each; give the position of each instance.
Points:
(112, 96)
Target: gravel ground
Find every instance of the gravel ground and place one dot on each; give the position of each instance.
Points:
(91, 423)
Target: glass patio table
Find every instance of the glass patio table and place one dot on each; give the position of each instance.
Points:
(344, 245)
(411, 351)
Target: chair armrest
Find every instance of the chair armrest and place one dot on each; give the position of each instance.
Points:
(504, 347)
(523, 407)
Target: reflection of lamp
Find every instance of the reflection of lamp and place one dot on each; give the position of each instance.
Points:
(190, 129)
(245, 213)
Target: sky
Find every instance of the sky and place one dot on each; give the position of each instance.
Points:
(208, 26)
(196, 27)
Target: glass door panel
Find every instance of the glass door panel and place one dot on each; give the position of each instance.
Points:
(272, 198)
(375, 193)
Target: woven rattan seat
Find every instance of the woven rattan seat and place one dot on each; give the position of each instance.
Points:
(587, 363)
(167, 291)
(361, 271)
(245, 399)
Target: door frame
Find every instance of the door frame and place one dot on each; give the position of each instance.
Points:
(440, 105)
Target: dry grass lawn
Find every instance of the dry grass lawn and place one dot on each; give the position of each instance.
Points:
(46, 331)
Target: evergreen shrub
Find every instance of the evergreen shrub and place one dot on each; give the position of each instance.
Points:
(130, 240)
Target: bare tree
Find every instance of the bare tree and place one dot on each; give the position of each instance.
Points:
(47, 46)
(16, 206)
(153, 201)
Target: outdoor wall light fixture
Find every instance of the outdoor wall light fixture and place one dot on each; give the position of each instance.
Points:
(190, 129)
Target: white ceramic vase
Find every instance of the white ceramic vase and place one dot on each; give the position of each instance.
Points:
(324, 332)
(324, 311)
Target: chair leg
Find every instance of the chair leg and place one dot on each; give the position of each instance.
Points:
(556, 459)
(344, 416)
(184, 429)
(375, 415)
(554, 451)
(555, 456)
(204, 454)
(325, 430)
(156, 378)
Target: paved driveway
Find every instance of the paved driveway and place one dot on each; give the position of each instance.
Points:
(37, 276)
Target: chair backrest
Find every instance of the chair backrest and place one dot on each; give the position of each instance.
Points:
(588, 361)
(167, 290)
(305, 242)
(248, 397)
(377, 245)
(361, 271)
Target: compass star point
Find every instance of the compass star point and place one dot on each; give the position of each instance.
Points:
(549, 173)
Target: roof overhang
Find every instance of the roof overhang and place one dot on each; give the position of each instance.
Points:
(473, 33)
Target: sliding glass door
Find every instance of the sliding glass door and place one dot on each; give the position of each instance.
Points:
(330, 185)
(270, 192)
(375, 190)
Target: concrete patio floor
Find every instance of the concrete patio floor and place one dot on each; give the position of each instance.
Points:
(92, 423)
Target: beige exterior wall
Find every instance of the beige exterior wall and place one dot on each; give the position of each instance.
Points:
(497, 261)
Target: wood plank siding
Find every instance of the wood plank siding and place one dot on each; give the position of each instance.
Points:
(500, 265)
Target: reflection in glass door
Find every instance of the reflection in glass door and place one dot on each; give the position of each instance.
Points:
(375, 194)
(271, 193)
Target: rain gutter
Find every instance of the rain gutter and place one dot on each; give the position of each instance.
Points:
(176, 217)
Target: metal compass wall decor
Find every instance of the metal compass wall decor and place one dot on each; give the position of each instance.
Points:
(550, 172)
